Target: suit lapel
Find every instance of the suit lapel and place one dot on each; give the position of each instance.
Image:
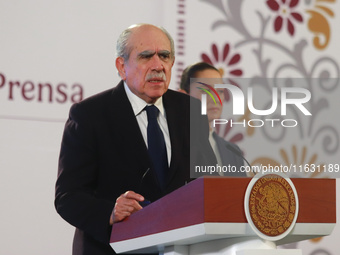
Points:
(123, 122)
(225, 154)
(175, 130)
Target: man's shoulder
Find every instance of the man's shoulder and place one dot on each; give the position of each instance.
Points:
(97, 97)
(103, 95)
(224, 142)
(98, 103)
(179, 98)
(176, 94)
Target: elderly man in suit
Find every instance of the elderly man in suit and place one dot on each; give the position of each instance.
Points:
(110, 161)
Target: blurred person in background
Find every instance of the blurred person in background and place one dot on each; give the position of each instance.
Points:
(209, 74)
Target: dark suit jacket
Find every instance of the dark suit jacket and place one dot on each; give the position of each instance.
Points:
(103, 155)
(228, 157)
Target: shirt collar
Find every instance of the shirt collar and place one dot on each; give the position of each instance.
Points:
(139, 104)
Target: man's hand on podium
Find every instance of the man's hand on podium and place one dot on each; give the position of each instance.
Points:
(126, 204)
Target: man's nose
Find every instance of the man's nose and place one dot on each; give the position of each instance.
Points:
(157, 64)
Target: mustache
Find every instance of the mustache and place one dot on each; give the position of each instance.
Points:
(157, 75)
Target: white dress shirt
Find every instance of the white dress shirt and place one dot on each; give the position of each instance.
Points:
(138, 106)
(215, 149)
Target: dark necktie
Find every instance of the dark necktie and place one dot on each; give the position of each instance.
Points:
(156, 145)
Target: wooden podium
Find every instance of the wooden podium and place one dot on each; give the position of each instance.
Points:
(207, 216)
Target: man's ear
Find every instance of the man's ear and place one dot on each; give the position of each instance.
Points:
(120, 65)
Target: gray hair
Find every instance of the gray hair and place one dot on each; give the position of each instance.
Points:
(122, 49)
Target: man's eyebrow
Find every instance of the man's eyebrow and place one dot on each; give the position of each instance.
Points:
(164, 52)
(146, 53)
(149, 53)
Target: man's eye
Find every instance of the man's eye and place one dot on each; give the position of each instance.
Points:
(148, 56)
(164, 56)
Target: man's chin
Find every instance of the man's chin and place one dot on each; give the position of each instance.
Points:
(157, 91)
(154, 95)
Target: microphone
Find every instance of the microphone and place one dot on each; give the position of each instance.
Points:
(238, 153)
(145, 202)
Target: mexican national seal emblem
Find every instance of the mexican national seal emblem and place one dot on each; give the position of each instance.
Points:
(271, 206)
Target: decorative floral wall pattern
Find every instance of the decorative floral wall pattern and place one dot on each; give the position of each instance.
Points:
(283, 14)
(289, 47)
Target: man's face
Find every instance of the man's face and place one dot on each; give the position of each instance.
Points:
(147, 72)
(214, 111)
